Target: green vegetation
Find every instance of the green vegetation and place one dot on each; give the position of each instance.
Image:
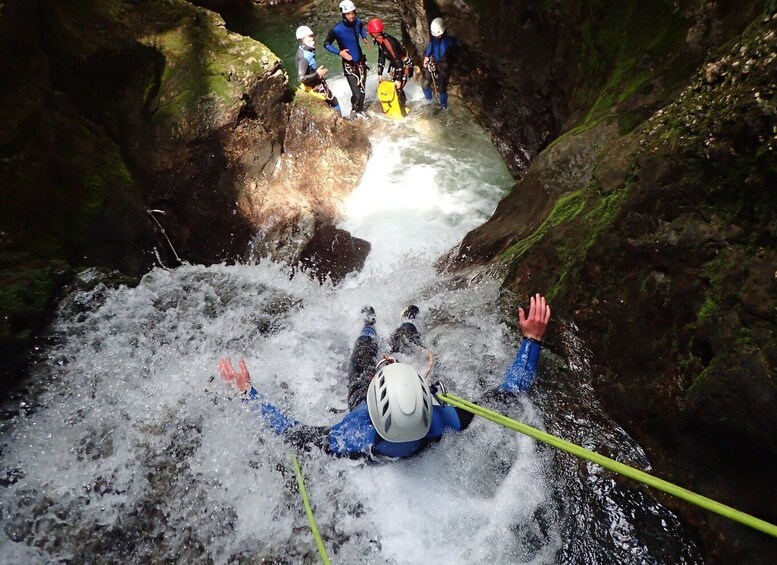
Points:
(25, 294)
(708, 309)
(582, 215)
(567, 207)
(205, 66)
(624, 46)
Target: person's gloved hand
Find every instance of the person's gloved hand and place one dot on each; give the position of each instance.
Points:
(241, 379)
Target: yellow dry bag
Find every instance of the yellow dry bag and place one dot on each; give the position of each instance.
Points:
(389, 100)
(311, 90)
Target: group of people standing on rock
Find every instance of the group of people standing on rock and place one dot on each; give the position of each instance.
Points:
(344, 40)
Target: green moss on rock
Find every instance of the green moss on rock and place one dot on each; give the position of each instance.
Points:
(26, 293)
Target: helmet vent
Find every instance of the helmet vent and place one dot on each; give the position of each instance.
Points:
(383, 394)
(425, 418)
(388, 423)
(385, 409)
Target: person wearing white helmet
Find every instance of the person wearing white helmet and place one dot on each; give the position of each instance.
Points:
(393, 411)
(310, 74)
(347, 34)
(438, 58)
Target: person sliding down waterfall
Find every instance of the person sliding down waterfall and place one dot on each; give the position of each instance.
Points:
(309, 74)
(347, 34)
(392, 410)
(438, 58)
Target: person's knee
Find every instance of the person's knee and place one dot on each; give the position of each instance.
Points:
(367, 339)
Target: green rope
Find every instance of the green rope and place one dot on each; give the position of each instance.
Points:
(309, 511)
(613, 465)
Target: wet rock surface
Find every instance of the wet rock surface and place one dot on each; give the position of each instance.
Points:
(657, 243)
(147, 133)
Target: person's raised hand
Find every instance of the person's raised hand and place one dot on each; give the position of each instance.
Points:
(535, 324)
(241, 379)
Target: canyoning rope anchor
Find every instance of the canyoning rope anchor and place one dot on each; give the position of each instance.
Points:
(438, 390)
(164, 233)
(616, 466)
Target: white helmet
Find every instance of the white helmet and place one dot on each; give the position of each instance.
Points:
(303, 31)
(347, 6)
(438, 27)
(399, 403)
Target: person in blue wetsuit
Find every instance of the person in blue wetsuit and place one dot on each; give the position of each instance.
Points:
(438, 57)
(347, 34)
(310, 75)
(392, 410)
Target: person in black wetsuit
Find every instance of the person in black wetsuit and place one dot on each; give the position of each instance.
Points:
(400, 64)
(347, 34)
(310, 75)
(392, 410)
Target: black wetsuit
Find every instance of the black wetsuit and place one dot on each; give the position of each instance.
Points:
(307, 75)
(399, 64)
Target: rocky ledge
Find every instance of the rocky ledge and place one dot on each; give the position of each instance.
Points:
(146, 133)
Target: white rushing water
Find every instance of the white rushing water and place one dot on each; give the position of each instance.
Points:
(129, 448)
(137, 450)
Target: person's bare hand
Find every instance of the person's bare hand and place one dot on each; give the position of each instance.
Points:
(241, 379)
(345, 54)
(535, 324)
(322, 72)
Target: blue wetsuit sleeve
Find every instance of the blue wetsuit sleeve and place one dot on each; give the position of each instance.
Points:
(428, 50)
(522, 373)
(363, 30)
(272, 416)
(455, 418)
(299, 435)
(354, 435)
(330, 39)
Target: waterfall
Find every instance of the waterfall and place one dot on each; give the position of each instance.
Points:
(129, 447)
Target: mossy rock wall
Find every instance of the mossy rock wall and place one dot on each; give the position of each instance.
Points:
(116, 109)
(657, 241)
(533, 70)
(142, 133)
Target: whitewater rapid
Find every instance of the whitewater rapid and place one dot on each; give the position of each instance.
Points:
(127, 447)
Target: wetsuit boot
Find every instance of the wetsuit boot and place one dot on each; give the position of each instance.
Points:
(368, 314)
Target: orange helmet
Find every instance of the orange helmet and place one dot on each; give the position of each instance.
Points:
(375, 26)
